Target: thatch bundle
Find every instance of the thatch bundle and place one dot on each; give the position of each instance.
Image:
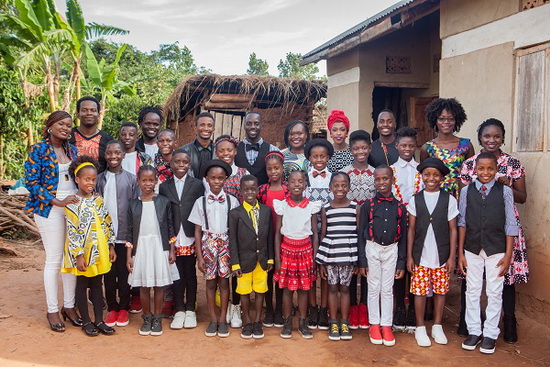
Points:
(14, 216)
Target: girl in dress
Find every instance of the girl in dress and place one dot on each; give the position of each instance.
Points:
(89, 246)
(151, 253)
(296, 137)
(338, 127)
(296, 241)
(510, 172)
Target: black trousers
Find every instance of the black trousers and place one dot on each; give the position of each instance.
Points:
(96, 296)
(117, 280)
(235, 297)
(400, 290)
(353, 290)
(269, 294)
(185, 289)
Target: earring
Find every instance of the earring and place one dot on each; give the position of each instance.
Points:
(50, 130)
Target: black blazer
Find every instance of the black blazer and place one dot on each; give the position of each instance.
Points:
(181, 207)
(245, 247)
(164, 216)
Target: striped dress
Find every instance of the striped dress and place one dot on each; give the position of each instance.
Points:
(339, 247)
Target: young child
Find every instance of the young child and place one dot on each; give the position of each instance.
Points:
(210, 215)
(296, 241)
(166, 142)
(118, 187)
(361, 189)
(267, 193)
(133, 159)
(183, 190)
(89, 246)
(337, 254)
(382, 253)
(486, 231)
(251, 248)
(150, 246)
(431, 247)
(318, 152)
(407, 183)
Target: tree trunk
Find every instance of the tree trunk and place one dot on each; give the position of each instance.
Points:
(50, 86)
(102, 104)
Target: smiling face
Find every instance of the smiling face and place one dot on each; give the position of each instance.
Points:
(166, 142)
(128, 136)
(180, 164)
(432, 179)
(216, 179)
(486, 170)
(491, 138)
(318, 156)
(297, 137)
(88, 114)
(360, 150)
(226, 151)
(297, 184)
(86, 179)
(61, 129)
(253, 126)
(406, 146)
(204, 128)
(445, 122)
(383, 180)
(249, 191)
(386, 124)
(147, 180)
(339, 132)
(114, 156)
(339, 187)
(150, 125)
(274, 169)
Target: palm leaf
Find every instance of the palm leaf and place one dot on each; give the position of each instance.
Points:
(43, 14)
(19, 28)
(28, 17)
(75, 18)
(93, 67)
(95, 30)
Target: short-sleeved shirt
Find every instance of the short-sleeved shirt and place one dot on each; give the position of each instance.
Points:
(296, 222)
(215, 210)
(383, 153)
(361, 183)
(430, 254)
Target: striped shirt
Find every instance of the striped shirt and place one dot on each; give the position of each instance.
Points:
(339, 247)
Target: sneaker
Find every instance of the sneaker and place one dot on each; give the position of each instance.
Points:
(313, 317)
(345, 334)
(303, 328)
(236, 321)
(110, 319)
(145, 328)
(510, 329)
(135, 305)
(211, 329)
(487, 345)
(223, 330)
(354, 317)
(334, 330)
(471, 342)
(190, 320)
(399, 319)
(122, 319)
(421, 337)
(257, 330)
(156, 325)
(178, 321)
(411, 319)
(387, 336)
(246, 333)
(438, 335)
(168, 309)
(269, 318)
(286, 333)
(229, 313)
(278, 320)
(375, 335)
(363, 316)
(462, 329)
(323, 318)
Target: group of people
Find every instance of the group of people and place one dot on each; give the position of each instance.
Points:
(139, 213)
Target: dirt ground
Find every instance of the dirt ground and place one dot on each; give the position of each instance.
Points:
(27, 340)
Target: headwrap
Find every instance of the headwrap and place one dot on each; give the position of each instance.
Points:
(226, 138)
(335, 116)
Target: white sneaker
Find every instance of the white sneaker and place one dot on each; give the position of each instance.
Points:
(236, 321)
(178, 321)
(421, 336)
(190, 320)
(229, 314)
(438, 335)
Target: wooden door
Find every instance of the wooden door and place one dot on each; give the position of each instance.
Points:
(417, 119)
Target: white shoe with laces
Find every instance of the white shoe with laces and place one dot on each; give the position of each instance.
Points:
(438, 335)
(236, 321)
(421, 336)
(178, 321)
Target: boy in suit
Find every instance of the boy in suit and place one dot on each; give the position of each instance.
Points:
(183, 190)
(251, 249)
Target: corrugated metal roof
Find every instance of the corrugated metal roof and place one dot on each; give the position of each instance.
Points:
(358, 28)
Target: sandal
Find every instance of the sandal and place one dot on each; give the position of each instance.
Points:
(90, 329)
(104, 329)
(75, 322)
(58, 328)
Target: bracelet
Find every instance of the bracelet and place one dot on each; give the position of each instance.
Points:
(172, 240)
(128, 245)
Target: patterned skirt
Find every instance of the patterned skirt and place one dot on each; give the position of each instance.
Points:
(297, 268)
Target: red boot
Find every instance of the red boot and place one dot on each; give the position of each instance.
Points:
(387, 336)
(363, 316)
(375, 334)
(353, 317)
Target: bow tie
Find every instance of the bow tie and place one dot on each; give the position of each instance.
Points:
(255, 146)
(384, 199)
(323, 174)
(212, 198)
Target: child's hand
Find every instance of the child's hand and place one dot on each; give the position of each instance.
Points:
(71, 199)
(410, 264)
(463, 264)
(450, 265)
(130, 264)
(503, 180)
(80, 263)
(355, 270)
(504, 264)
(200, 264)
(238, 273)
(112, 254)
(172, 257)
(322, 272)
(399, 273)
(277, 264)
(364, 271)
(269, 267)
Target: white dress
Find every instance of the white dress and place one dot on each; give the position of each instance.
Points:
(151, 266)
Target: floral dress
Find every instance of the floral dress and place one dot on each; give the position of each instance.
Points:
(512, 169)
(453, 159)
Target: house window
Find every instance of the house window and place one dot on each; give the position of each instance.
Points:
(532, 99)
(528, 4)
(398, 65)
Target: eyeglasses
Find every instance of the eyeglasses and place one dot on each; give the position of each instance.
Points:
(443, 119)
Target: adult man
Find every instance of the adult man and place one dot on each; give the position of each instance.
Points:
(383, 149)
(252, 150)
(149, 121)
(87, 138)
(202, 148)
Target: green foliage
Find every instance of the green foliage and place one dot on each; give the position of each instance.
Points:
(257, 66)
(290, 67)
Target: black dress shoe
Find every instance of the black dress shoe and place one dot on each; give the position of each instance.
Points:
(471, 342)
(104, 329)
(510, 329)
(462, 329)
(75, 322)
(487, 345)
(90, 329)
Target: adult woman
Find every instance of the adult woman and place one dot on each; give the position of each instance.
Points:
(446, 116)
(296, 137)
(511, 173)
(51, 189)
(338, 127)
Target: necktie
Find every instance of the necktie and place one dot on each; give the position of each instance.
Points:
(254, 146)
(323, 174)
(254, 215)
(385, 199)
(212, 198)
(483, 191)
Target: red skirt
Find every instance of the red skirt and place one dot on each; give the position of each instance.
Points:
(297, 267)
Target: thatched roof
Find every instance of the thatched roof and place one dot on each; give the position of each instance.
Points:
(239, 93)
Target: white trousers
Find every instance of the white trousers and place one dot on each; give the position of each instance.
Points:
(53, 231)
(382, 261)
(493, 289)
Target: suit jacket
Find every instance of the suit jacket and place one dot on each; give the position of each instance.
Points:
(245, 246)
(181, 207)
(164, 216)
